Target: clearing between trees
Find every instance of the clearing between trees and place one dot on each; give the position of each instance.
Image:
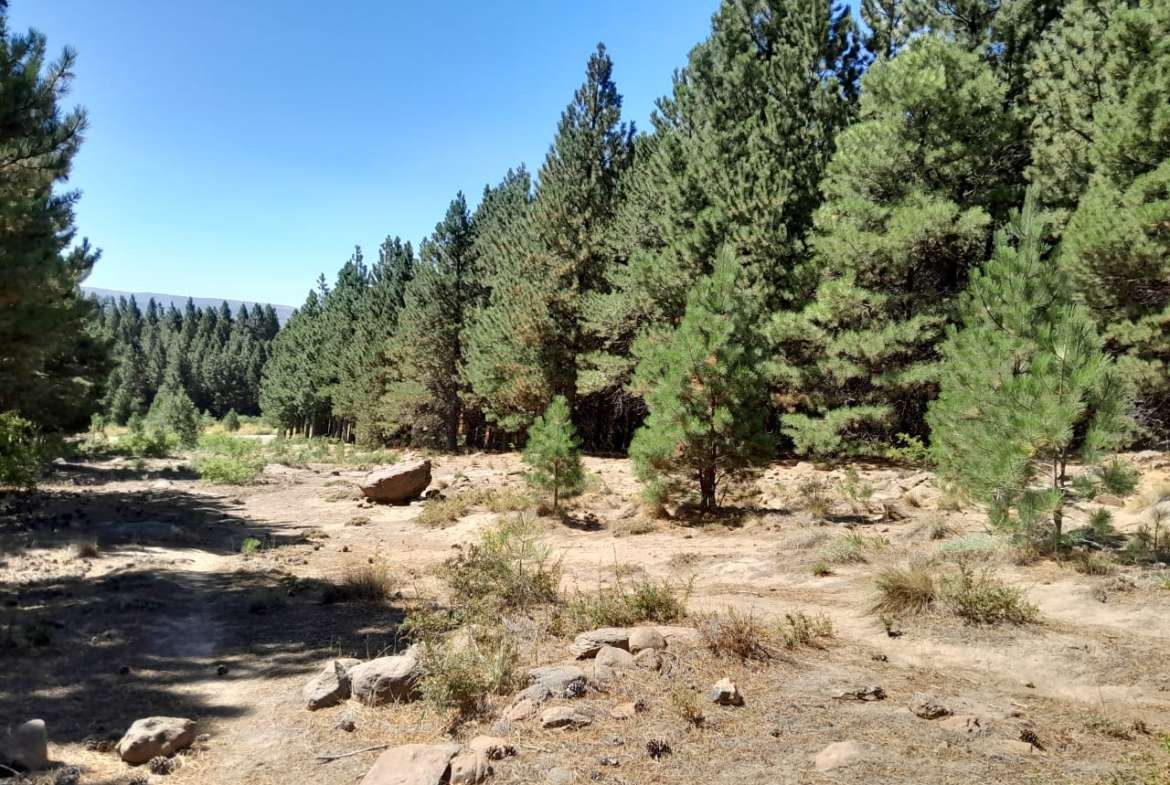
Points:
(133, 590)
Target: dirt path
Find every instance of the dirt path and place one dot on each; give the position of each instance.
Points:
(171, 618)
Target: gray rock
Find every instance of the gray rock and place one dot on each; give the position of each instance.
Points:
(398, 483)
(681, 637)
(469, 768)
(613, 657)
(329, 687)
(522, 709)
(837, 755)
(725, 693)
(385, 679)
(554, 681)
(154, 736)
(412, 764)
(927, 706)
(27, 747)
(564, 717)
(587, 644)
(642, 638)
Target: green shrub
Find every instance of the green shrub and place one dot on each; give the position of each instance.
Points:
(172, 411)
(228, 460)
(815, 498)
(821, 569)
(799, 629)
(250, 545)
(1092, 563)
(231, 421)
(21, 451)
(1118, 477)
(848, 548)
(461, 678)
(510, 568)
(909, 450)
(977, 596)
(857, 492)
(625, 605)
(970, 543)
(553, 452)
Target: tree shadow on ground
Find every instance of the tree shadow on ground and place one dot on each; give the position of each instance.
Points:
(90, 648)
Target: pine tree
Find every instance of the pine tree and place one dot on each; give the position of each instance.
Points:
(553, 452)
(1027, 387)
(429, 341)
(174, 412)
(705, 387)
(526, 341)
(48, 359)
(910, 197)
(1117, 243)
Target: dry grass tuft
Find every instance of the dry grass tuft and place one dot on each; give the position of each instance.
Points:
(904, 591)
(368, 582)
(440, 512)
(736, 634)
(627, 604)
(799, 629)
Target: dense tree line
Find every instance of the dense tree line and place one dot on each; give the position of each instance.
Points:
(213, 357)
(851, 183)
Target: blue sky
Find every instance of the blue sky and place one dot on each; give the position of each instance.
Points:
(237, 149)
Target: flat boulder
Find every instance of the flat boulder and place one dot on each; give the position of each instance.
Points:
(587, 644)
(564, 717)
(412, 764)
(554, 681)
(613, 657)
(153, 737)
(385, 679)
(398, 483)
(329, 687)
(642, 638)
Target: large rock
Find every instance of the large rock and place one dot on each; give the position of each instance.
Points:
(27, 747)
(587, 644)
(385, 679)
(469, 768)
(412, 764)
(331, 686)
(152, 737)
(613, 657)
(398, 483)
(564, 717)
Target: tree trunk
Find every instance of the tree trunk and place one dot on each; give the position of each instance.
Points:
(707, 489)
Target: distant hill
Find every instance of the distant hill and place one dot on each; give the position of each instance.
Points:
(180, 301)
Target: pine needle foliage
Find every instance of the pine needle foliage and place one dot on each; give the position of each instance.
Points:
(553, 452)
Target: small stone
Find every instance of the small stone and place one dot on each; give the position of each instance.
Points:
(559, 776)
(522, 710)
(564, 717)
(967, 724)
(608, 760)
(725, 693)
(494, 747)
(613, 657)
(152, 737)
(927, 707)
(643, 638)
(469, 768)
(221, 670)
(28, 746)
(838, 754)
(626, 711)
(329, 687)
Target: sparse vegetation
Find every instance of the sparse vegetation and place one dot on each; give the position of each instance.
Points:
(850, 548)
(821, 569)
(460, 678)
(250, 545)
(903, 591)
(687, 704)
(815, 498)
(628, 603)
(735, 633)
(975, 595)
(370, 581)
(439, 512)
(1118, 477)
(799, 629)
(855, 490)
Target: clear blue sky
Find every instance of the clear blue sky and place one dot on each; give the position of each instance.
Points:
(239, 147)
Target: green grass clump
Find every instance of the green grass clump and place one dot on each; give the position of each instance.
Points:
(627, 604)
(849, 548)
(1118, 477)
(977, 596)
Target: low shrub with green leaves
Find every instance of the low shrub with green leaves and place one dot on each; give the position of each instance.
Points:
(21, 451)
(461, 678)
(628, 603)
(1118, 477)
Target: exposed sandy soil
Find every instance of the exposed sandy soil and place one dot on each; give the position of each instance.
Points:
(170, 618)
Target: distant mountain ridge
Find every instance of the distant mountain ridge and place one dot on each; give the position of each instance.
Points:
(180, 301)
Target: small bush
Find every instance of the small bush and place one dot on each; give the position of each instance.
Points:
(21, 451)
(228, 460)
(977, 596)
(509, 568)
(370, 582)
(905, 591)
(799, 629)
(461, 679)
(173, 412)
(1092, 563)
(439, 512)
(686, 703)
(815, 498)
(909, 450)
(250, 545)
(848, 548)
(856, 491)
(553, 453)
(1118, 477)
(984, 544)
(735, 634)
(939, 529)
(821, 569)
(625, 605)
(231, 421)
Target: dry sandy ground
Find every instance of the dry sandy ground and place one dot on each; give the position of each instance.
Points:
(170, 618)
